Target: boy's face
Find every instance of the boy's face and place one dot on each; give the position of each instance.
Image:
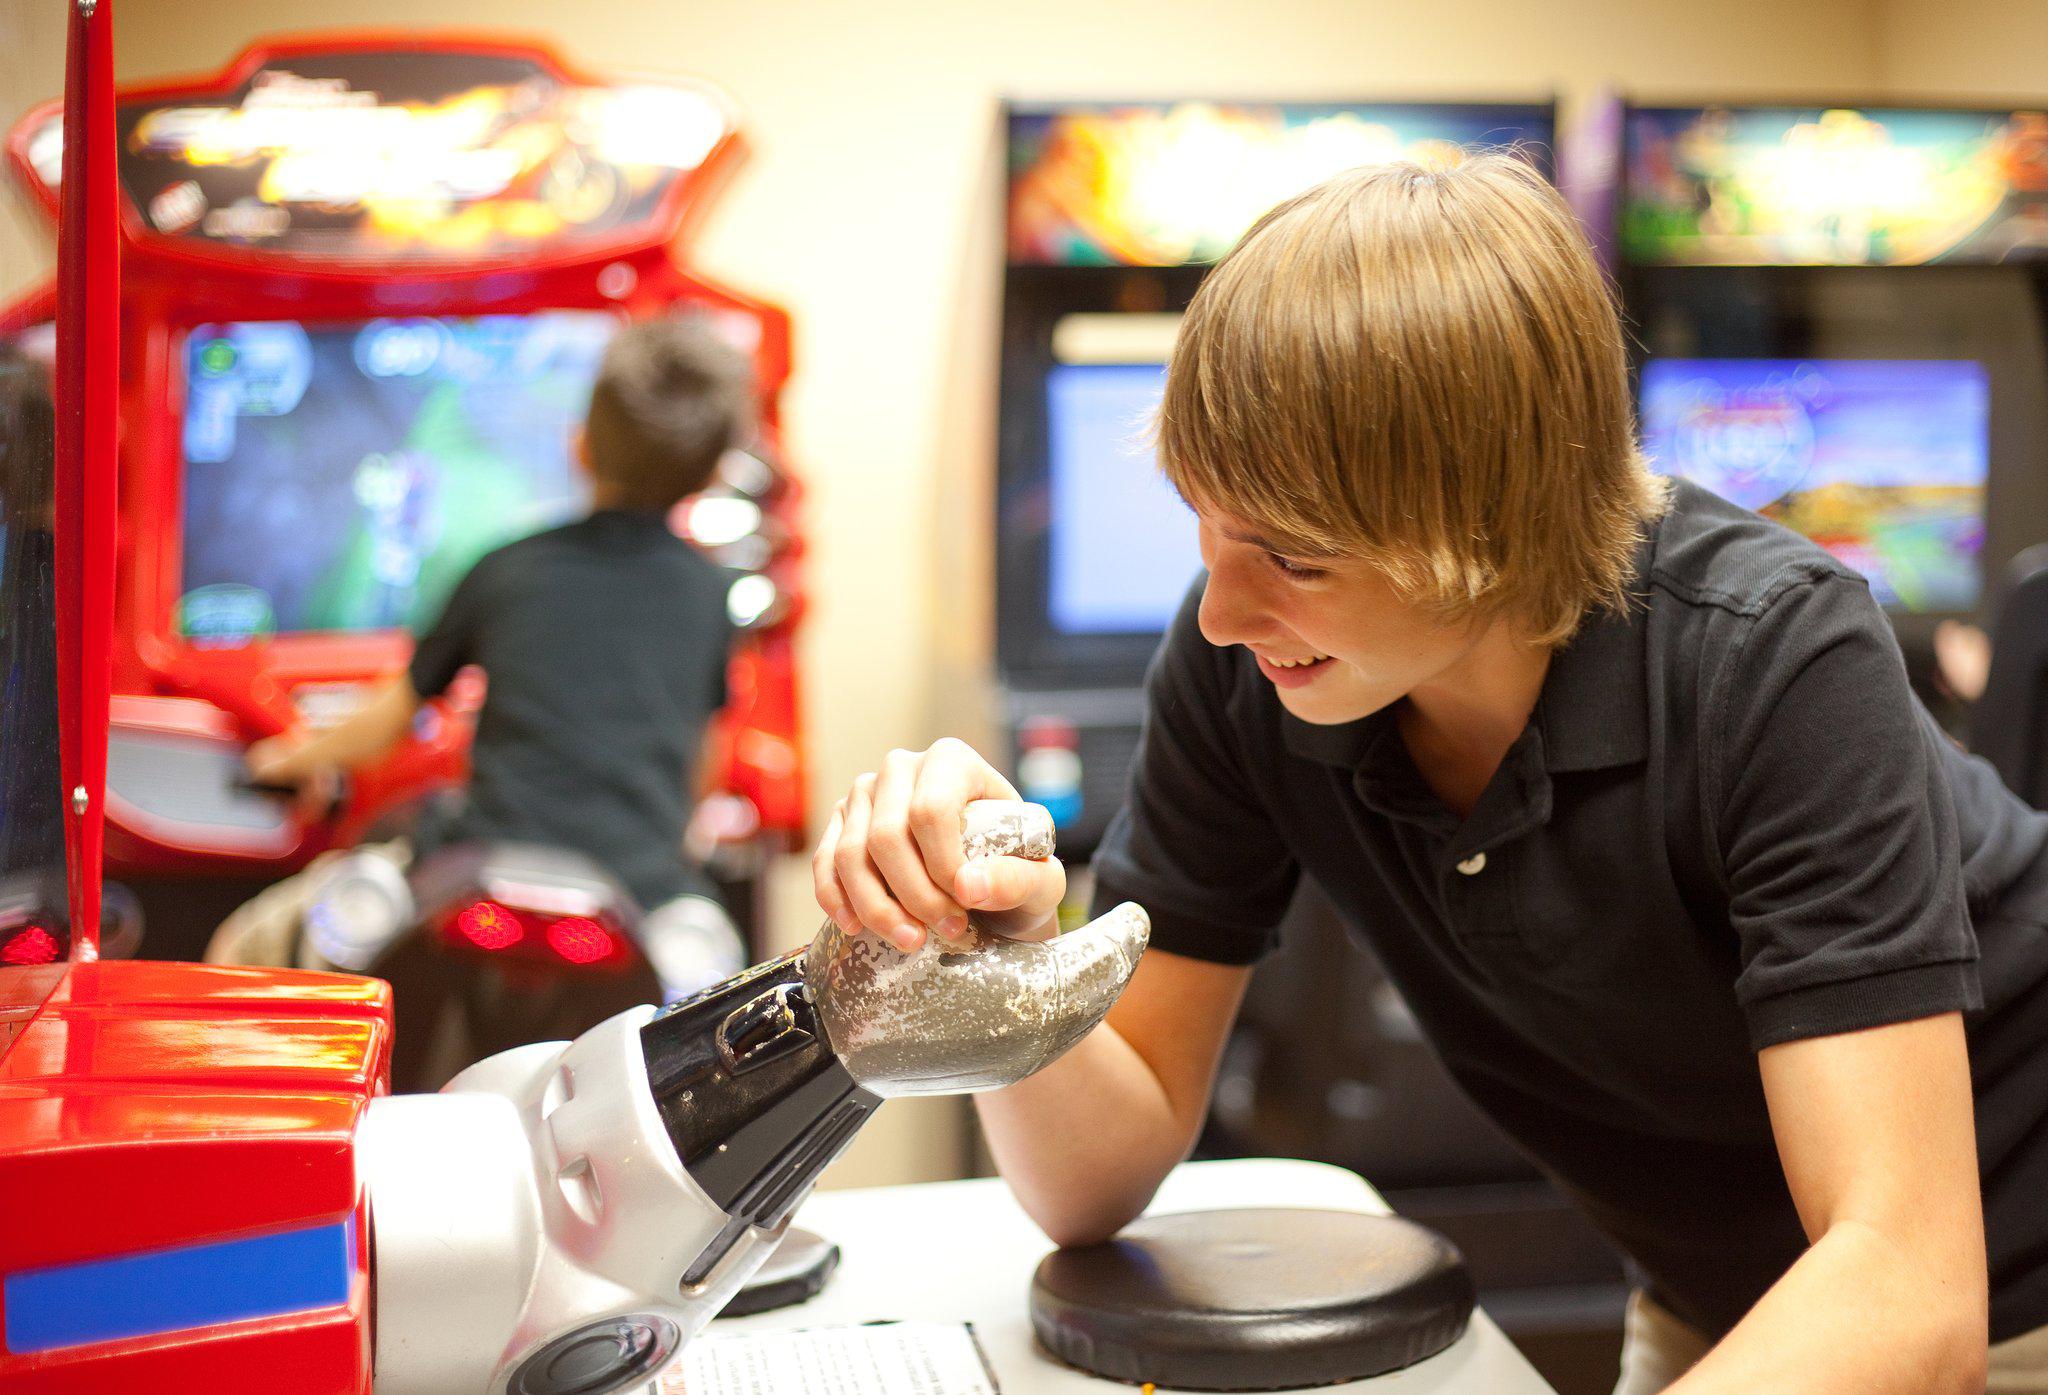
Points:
(1365, 647)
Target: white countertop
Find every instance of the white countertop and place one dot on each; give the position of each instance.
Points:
(965, 1252)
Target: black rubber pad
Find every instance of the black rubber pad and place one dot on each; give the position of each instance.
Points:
(1253, 1300)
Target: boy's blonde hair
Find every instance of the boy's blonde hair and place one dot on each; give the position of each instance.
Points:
(1421, 366)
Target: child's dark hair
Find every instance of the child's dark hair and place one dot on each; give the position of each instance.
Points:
(28, 444)
(671, 398)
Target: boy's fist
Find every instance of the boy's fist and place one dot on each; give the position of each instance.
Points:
(890, 860)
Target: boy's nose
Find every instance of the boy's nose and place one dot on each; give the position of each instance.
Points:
(1226, 616)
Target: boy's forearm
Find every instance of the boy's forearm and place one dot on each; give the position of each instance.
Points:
(1855, 1316)
(369, 732)
(1085, 1142)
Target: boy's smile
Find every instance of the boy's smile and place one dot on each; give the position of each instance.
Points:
(1290, 673)
(1331, 635)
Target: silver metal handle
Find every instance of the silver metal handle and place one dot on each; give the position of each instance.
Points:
(979, 1014)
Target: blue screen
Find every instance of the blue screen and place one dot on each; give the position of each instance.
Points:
(1882, 462)
(1123, 546)
(345, 477)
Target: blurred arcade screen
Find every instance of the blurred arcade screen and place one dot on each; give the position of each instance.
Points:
(345, 477)
(1881, 462)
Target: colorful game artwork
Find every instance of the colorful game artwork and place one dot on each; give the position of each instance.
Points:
(1171, 184)
(1778, 186)
(1882, 462)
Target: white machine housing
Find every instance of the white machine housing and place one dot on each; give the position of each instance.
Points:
(538, 1190)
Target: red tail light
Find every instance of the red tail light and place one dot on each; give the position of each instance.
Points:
(538, 938)
(488, 925)
(580, 941)
(31, 944)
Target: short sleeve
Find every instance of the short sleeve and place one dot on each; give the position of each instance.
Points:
(1194, 844)
(1835, 828)
(441, 653)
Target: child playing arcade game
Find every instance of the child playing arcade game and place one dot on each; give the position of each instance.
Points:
(1623, 785)
(605, 645)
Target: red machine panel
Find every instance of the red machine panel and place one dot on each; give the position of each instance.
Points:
(171, 1130)
(365, 281)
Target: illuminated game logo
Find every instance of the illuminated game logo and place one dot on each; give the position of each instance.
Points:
(1752, 445)
(1168, 185)
(413, 154)
(1834, 187)
(226, 615)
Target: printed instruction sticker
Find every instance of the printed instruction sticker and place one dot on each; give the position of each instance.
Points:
(893, 1358)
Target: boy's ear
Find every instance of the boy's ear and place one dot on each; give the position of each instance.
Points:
(579, 449)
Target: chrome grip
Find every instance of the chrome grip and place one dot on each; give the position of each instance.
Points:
(981, 1013)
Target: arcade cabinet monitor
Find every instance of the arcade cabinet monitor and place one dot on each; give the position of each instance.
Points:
(343, 477)
(1883, 463)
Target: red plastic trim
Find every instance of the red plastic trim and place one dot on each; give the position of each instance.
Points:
(88, 374)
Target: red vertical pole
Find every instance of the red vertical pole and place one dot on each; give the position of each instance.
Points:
(88, 375)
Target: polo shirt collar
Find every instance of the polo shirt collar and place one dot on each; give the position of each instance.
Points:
(1594, 708)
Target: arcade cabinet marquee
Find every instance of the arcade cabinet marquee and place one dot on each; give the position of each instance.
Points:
(366, 285)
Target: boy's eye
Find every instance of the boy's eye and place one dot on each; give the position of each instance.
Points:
(1293, 569)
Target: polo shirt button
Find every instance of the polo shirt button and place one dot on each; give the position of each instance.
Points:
(1473, 865)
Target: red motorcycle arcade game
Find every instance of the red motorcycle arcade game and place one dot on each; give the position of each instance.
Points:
(366, 284)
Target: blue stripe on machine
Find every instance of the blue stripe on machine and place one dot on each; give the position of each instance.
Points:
(144, 1295)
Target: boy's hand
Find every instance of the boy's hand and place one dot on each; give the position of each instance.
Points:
(890, 860)
(285, 760)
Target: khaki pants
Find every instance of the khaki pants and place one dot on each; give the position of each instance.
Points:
(1658, 1348)
(264, 931)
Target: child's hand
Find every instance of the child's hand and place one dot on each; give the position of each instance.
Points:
(890, 860)
(287, 760)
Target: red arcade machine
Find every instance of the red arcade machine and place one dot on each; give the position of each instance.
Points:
(366, 283)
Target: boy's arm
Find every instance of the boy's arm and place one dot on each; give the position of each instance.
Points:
(314, 763)
(1876, 1131)
(1086, 1141)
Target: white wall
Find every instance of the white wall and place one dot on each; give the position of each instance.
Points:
(1987, 51)
(31, 69)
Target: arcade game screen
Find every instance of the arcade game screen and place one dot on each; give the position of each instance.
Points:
(346, 477)
(1882, 462)
(1122, 543)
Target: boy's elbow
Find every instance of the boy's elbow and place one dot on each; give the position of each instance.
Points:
(1074, 1232)
(1072, 1218)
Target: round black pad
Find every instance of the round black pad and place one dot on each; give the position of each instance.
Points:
(794, 1272)
(600, 1357)
(1253, 1300)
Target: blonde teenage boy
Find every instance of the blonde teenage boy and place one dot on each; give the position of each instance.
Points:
(1623, 785)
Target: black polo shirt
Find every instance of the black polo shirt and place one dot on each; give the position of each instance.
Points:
(1728, 824)
(604, 643)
